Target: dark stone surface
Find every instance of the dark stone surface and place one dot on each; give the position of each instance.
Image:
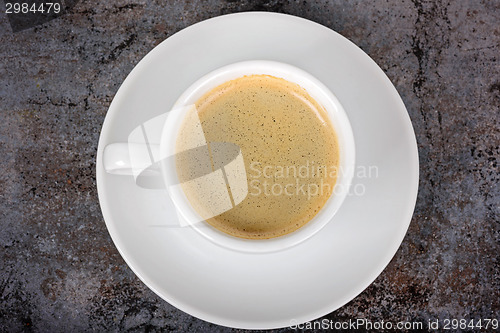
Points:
(59, 270)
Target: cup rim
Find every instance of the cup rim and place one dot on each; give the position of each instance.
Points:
(317, 91)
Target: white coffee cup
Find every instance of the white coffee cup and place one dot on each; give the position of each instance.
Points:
(134, 158)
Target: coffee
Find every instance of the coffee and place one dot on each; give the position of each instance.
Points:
(290, 156)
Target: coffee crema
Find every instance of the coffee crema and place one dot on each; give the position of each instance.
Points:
(290, 155)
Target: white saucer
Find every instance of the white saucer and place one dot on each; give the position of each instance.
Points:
(301, 283)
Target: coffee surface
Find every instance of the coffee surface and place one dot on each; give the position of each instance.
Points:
(289, 151)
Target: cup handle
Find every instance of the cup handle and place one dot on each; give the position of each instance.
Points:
(139, 160)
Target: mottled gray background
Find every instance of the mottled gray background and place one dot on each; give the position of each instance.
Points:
(59, 270)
